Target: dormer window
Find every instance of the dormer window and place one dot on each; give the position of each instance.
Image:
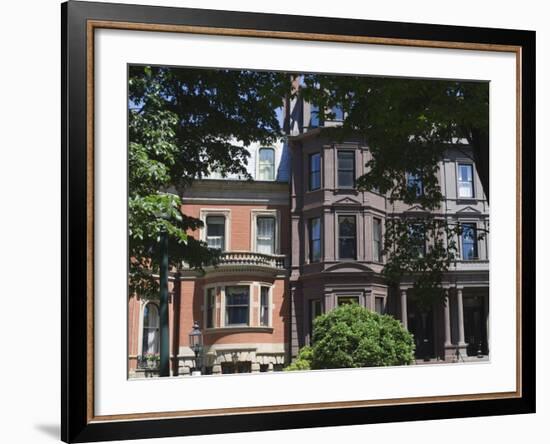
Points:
(266, 164)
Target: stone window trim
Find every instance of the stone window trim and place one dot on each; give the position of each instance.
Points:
(254, 214)
(458, 163)
(253, 306)
(223, 212)
(143, 304)
(473, 222)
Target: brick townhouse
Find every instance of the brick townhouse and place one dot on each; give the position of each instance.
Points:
(299, 240)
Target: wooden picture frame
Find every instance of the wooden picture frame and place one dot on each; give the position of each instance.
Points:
(79, 22)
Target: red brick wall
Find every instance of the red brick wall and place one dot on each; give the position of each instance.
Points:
(241, 223)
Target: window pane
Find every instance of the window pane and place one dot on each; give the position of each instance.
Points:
(465, 173)
(236, 305)
(210, 307)
(338, 112)
(346, 225)
(377, 239)
(417, 239)
(346, 160)
(469, 242)
(266, 164)
(150, 316)
(215, 232)
(315, 171)
(465, 180)
(346, 179)
(346, 169)
(347, 248)
(314, 239)
(314, 120)
(264, 306)
(345, 300)
(267, 155)
(150, 340)
(265, 235)
(414, 183)
(347, 233)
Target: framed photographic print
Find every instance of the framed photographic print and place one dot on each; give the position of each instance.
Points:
(277, 221)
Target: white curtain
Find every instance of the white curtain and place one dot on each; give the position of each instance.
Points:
(265, 235)
(151, 322)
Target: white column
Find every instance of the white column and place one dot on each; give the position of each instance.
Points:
(447, 319)
(404, 308)
(460, 314)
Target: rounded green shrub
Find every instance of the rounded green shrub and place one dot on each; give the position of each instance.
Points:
(352, 336)
(302, 361)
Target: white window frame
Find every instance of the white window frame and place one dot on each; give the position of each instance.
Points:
(223, 286)
(224, 212)
(274, 164)
(457, 182)
(254, 214)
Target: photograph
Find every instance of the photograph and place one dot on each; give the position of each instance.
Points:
(304, 221)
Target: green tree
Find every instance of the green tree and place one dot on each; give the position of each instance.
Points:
(184, 124)
(302, 361)
(352, 336)
(408, 124)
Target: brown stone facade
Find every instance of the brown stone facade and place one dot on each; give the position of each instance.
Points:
(457, 330)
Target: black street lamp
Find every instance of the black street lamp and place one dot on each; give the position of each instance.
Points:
(195, 343)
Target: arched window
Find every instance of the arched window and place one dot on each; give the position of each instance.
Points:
(151, 323)
(266, 170)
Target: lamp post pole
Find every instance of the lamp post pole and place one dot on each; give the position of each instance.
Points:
(164, 335)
